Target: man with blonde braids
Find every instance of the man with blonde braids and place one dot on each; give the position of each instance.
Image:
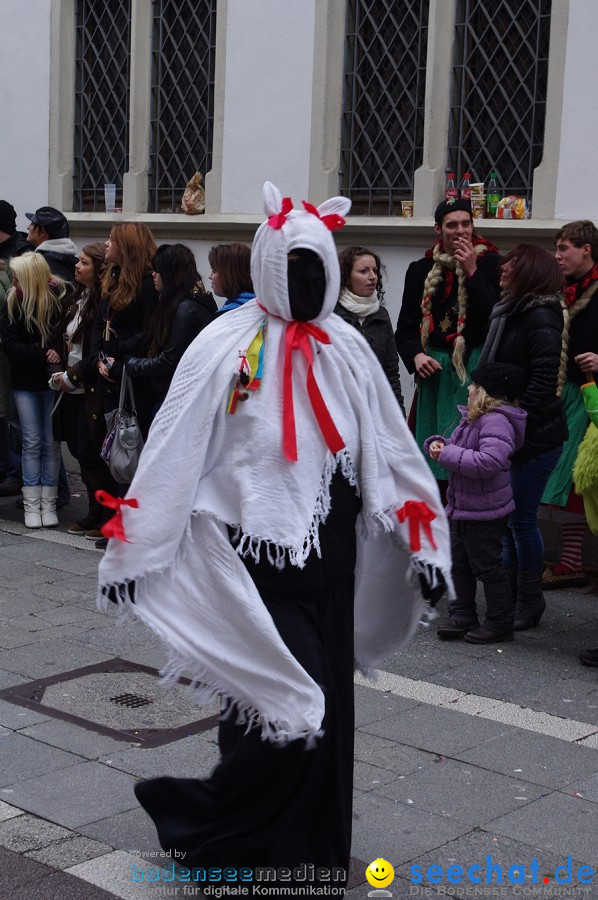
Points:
(443, 322)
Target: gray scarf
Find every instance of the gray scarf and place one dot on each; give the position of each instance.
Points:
(498, 320)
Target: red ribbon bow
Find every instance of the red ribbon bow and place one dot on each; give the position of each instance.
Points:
(114, 527)
(278, 220)
(419, 515)
(297, 336)
(332, 222)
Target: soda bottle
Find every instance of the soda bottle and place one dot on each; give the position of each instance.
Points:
(465, 189)
(492, 196)
(450, 190)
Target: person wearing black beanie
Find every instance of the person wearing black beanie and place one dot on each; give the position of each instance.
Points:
(443, 323)
(12, 242)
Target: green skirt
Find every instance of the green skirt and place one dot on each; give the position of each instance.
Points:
(557, 490)
(437, 400)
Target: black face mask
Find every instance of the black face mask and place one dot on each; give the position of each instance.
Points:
(307, 284)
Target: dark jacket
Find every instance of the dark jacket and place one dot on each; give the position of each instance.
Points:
(14, 245)
(583, 338)
(483, 291)
(478, 458)
(127, 330)
(127, 327)
(532, 339)
(26, 355)
(193, 313)
(377, 330)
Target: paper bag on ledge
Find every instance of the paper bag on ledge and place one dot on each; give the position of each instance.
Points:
(194, 197)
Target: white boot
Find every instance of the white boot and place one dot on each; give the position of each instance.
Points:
(49, 517)
(32, 498)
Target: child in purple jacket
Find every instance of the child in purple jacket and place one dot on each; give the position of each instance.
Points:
(479, 500)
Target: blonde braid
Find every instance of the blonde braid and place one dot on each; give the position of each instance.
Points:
(443, 260)
(432, 281)
(569, 313)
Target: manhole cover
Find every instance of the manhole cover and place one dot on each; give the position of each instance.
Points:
(118, 698)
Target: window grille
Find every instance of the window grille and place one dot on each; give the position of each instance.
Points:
(499, 100)
(101, 100)
(182, 116)
(383, 107)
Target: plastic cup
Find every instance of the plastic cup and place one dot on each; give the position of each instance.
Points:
(407, 209)
(110, 197)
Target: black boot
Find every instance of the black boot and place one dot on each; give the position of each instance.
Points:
(530, 600)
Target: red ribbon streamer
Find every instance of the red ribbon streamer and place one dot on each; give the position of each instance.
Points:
(420, 515)
(332, 222)
(297, 336)
(114, 527)
(428, 315)
(278, 220)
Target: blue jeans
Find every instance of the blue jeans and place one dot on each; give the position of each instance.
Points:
(41, 453)
(523, 547)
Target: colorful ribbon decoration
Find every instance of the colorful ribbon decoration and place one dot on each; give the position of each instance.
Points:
(114, 527)
(278, 220)
(297, 337)
(420, 515)
(332, 222)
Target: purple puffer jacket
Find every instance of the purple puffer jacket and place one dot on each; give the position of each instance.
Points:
(477, 455)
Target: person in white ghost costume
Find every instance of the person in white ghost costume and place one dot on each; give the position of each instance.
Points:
(277, 534)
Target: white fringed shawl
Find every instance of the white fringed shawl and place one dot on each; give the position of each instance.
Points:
(203, 469)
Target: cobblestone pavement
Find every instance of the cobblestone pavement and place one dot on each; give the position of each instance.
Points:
(465, 755)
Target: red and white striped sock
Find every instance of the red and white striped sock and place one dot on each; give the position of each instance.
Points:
(573, 533)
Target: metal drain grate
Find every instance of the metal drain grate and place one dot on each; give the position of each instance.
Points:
(119, 699)
(133, 701)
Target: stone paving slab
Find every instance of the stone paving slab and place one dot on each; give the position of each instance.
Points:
(397, 832)
(437, 730)
(77, 589)
(75, 796)
(67, 736)
(390, 755)
(462, 791)
(69, 852)
(17, 717)
(54, 557)
(192, 757)
(475, 847)
(9, 679)
(49, 658)
(8, 812)
(373, 705)
(559, 823)
(23, 758)
(116, 870)
(26, 832)
(534, 758)
(132, 831)
(587, 787)
(571, 697)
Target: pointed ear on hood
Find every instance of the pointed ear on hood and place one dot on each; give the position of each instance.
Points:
(272, 199)
(339, 206)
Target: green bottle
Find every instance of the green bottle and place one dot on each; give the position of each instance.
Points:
(492, 196)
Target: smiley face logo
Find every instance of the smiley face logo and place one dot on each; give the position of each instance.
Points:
(379, 873)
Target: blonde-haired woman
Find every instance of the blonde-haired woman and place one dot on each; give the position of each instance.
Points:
(32, 342)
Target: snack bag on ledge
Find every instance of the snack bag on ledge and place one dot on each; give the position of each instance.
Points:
(512, 207)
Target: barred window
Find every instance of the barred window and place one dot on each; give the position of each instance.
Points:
(383, 106)
(102, 60)
(182, 115)
(499, 98)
